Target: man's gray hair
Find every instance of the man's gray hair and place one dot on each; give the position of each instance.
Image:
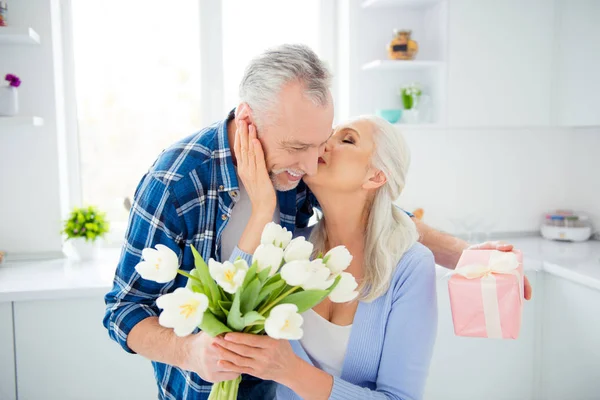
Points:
(266, 75)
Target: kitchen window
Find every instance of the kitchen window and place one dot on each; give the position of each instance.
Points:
(140, 80)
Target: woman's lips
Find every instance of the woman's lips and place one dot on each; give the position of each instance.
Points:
(321, 161)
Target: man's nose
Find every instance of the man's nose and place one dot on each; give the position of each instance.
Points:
(310, 161)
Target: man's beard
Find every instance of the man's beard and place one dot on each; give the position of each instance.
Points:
(282, 187)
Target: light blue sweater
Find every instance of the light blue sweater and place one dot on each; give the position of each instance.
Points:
(391, 341)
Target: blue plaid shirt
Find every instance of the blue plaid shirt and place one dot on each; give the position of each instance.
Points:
(186, 198)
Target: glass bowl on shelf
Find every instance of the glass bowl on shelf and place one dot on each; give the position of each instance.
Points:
(391, 115)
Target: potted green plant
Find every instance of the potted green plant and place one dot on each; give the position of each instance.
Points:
(411, 95)
(83, 228)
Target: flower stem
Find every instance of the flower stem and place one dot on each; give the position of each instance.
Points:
(277, 300)
(181, 272)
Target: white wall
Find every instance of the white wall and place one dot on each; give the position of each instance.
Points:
(577, 40)
(584, 182)
(504, 178)
(29, 173)
(501, 179)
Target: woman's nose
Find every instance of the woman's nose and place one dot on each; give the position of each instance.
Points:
(325, 148)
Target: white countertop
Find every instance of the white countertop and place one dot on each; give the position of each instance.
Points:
(576, 262)
(63, 278)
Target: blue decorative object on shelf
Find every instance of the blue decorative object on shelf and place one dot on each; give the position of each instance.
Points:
(391, 115)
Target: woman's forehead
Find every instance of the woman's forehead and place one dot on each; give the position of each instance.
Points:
(362, 126)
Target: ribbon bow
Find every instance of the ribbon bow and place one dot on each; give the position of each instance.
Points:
(500, 263)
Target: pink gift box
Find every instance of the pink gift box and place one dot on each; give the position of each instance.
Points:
(489, 306)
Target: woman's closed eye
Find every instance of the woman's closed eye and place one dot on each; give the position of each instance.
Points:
(348, 139)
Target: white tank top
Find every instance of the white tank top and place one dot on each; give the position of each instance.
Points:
(325, 342)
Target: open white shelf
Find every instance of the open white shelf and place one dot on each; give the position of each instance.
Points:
(419, 126)
(16, 35)
(401, 65)
(400, 3)
(11, 122)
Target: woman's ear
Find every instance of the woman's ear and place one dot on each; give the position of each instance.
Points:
(376, 180)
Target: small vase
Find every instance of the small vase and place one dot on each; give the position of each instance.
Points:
(9, 101)
(410, 116)
(84, 250)
(3, 12)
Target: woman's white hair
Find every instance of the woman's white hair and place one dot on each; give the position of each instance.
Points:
(389, 232)
(266, 75)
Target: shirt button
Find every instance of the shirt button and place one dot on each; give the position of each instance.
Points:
(221, 187)
(234, 193)
(224, 217)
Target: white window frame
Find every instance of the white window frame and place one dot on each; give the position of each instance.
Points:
(211, 87)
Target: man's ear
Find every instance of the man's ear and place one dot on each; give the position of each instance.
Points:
(244, 113)
(376, 180)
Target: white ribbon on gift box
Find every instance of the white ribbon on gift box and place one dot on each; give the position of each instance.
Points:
(500, 263)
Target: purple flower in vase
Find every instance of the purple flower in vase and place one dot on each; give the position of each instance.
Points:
(13, 80)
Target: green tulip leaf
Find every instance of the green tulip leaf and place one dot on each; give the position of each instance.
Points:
(211, 325)
(306, 299)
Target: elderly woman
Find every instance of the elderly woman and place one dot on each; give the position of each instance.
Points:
(378, 346)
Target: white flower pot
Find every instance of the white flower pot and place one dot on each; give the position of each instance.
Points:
(410, 116)
(84, 250)
(9, 101)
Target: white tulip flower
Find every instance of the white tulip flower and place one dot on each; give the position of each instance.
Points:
(344, 291)
(284, 322)
(298, 249)
(182, 310)
(159, 265)
(230, 276)
(307, 274)
(296, 273)
(337, 259)
(275, 234)
(268, 255)
(319, 276)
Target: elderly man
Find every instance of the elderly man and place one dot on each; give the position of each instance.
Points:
(192, 196)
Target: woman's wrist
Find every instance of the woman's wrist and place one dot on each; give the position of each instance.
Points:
(301, 372)
(262, 214)
(291, 377)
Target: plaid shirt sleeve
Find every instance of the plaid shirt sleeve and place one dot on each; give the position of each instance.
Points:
(153, 219)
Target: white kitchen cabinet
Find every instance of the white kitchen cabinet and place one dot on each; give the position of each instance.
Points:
(64, 352)
(500, 62)
(7, 354)
(577, 62)
(570, 361)
(464, 368)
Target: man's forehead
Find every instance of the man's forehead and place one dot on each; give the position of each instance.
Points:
(298, 139)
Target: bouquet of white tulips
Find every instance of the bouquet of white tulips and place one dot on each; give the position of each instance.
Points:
(264, 298)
